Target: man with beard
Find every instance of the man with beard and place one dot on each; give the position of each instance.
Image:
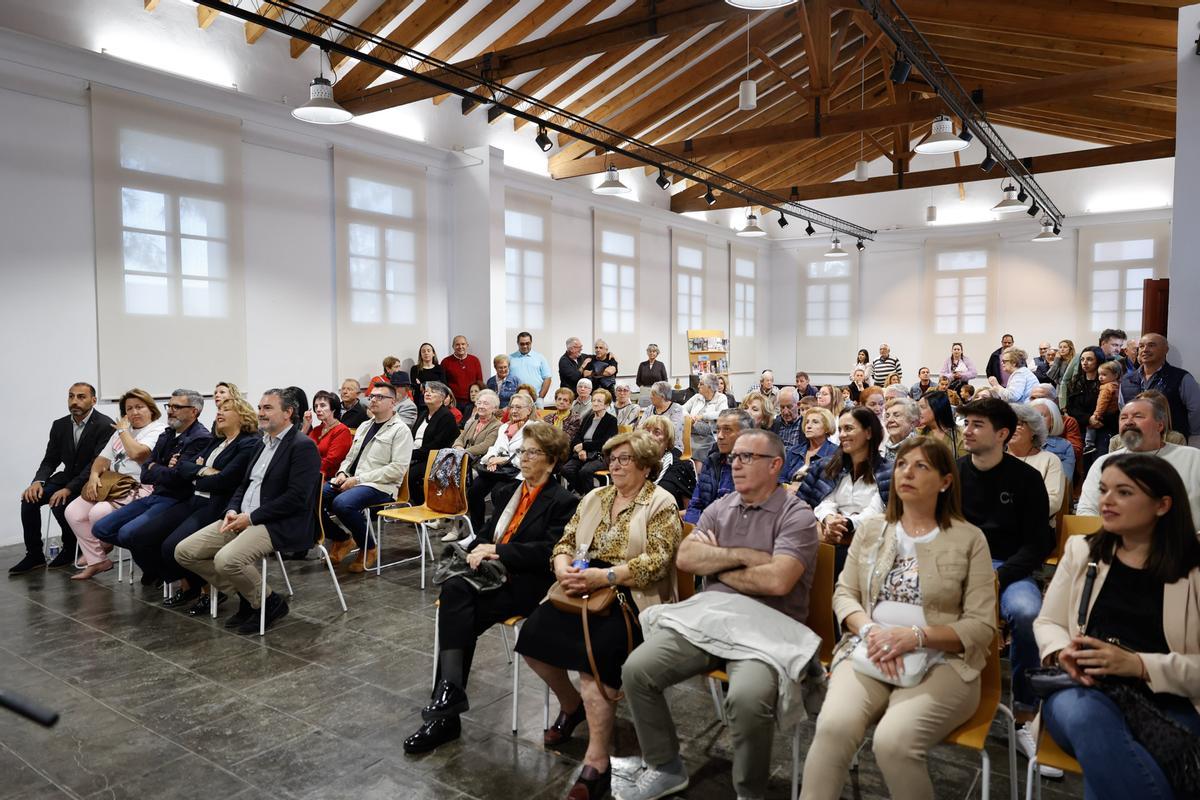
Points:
(1142, 427)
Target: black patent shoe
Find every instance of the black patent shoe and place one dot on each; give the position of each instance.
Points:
(181, 597)
(203, 604)
(564, 725)
(448, 701)
(592, 784)
(433, 735)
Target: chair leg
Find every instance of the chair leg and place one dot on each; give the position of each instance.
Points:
(718, 698)
(262, 601)
(336, 585)
(546, 707)
(283, 569)
(1011, 722)
(212, 600)
(508, 652)
(516, 690)
(167, 589)
(120, 565)
(423, 534)
(985, 790)
(1033, 781)
(796, 764)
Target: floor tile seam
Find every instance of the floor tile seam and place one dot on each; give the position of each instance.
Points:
(39, 772)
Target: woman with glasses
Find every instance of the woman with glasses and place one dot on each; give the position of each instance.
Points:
(623, 536)
(497, 472)
(596, 428)
(519, 536)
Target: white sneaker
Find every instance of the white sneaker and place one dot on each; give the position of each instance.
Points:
(451, 536)
(1028, 746)
(655, 783)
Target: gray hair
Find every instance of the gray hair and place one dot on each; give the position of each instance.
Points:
(1033, 420)
(194, 398)
(1056, 428)
(745, 421)
(440, 388)
(588, 381)
(662, 389)
(789, 390)
(911, 409)
(601, 342)
(573, 340)
(710, 380)
(287, 400)
(1018, 355)
(497, 359)
(896, 391)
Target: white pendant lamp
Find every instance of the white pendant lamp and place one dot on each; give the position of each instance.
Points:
(1010, 203)
(835, 249)
(751, 228)
(1048, 233)
(747, 95)
(860, 171)
(759, 5)
(941, 138)
(612, 183)
(321, 108)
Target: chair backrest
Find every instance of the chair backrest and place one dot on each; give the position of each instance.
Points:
(430, 489)
(685, 582)
(624, 429)
(1062, 512)
(687, 437)
(1075, 525)
(548, 414)
(820, 601)
(402, 494)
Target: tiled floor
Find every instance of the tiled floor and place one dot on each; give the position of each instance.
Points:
(156, 704)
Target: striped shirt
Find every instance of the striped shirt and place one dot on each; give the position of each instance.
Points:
(882, 369)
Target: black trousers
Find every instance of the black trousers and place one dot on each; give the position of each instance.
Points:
(581, 475)
(31, 519)
(201, 515)
(484, 484)
(464, 614)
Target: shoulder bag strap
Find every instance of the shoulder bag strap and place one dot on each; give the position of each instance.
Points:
(1088, 582)
(626, 615)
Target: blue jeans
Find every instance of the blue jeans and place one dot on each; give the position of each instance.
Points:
(348, 507)
(1089, 726)
(140, 528)
(1020, 603)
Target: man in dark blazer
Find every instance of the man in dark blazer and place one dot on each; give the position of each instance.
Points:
(520, 535)
(273, 510)
(75, 441)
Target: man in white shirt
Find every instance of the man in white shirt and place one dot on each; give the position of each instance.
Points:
(1142, 427)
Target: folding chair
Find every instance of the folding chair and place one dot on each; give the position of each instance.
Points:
(1050, 754)
(374, 523)
(686, 445)
(1073, 525)
(420, 516)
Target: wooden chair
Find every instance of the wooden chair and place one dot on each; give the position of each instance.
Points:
(686, 444)
(420, 516)
(1050, 754)
(1073, 525)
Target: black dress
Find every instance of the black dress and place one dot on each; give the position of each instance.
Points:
(420, 377)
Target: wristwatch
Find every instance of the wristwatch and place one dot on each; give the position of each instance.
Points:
(611, 577)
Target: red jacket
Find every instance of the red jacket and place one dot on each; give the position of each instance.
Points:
(333, 446)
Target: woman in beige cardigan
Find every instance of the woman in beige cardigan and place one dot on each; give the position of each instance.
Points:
(919, 578)
(628, 532)
(1146, 596)
(480, 431)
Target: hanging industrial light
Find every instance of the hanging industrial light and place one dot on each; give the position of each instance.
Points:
(662, 180)
(963, 132)
(941, 138)
(759, 5)
(612, 183)
(751, 228)
(861, 167)
(747, 89)
(321, 108)
(1049, 232)
(543, 141)
(835, 249)
(709, 197)
(1010, 203)
(1034, 210)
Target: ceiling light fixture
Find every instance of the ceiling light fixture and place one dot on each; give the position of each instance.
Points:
(835, 249)
(759, 5)
(662, 180)
(543, 140)
(1022, 195)
(612, 183)
(709, 197)
(810, 230)
(1057, 229)
(1010, 203)
(901, 69)
(1049, 232)
(747, 89)
(321, 108)
(941, 138)
(1034, 210)
(751, 229)
(963, 132)
(987, 163)
(860, 246)
(783, 223)
(861, 167)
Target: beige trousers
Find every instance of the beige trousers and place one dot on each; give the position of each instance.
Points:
(228, 561)
(910, 722)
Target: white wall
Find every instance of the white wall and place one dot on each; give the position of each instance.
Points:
(1183, 322)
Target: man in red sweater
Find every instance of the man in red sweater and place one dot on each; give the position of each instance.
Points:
(462, 370)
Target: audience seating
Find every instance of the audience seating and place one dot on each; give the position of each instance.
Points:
(1073, 525)
(686, 444)
(1050, 754)
(375, 524)
(420, 516)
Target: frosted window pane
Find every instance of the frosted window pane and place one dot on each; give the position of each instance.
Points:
(608, 298)
(682, 281)
(141, 209)
(145, 252)
(608, 320)
(839, 291)
(738, 328)
(400, 278)
(816, 293)
(512, 261)
(743, 268)
(1123, 251)
(364, 273)
(750, 293)
(617, 244)
(1133, 320)
(945, 305)
(839, 310)
(1106, 279)
(962, 259)
(381, 198)
(165, 155)
(533, 317)
(974, 324)
(533, 264)
(202, 258)
(816, 311)
(815, 327)
(363, 240)
(522, 226)
(402, 309)
(974, 305)
(146, 295)
(739, 292)
(1133, 300)
(739, 310)
(946, 325)
(1105, 301)
(512, 288)
(627, 299)
(829, 269)
(839, 327)
(512, 315)
(946, 287)
(365, 307)
(749, 327)
(1134, 278)
(400, 245)
(627, 277)
(533, 290)
(690, 257)
(201, 217)
(608, 274)
(203, 298)
(626, 322)
(974, 286)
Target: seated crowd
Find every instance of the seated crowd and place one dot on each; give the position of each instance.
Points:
(937, 511)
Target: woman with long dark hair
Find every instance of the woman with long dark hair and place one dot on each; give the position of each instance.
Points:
(937, 421)
(862, 361)
(1136, 655)
(425, 368)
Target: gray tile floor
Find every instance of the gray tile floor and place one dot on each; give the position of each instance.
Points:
(156, 704)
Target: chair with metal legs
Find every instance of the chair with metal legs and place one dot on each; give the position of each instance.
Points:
(1050, 754)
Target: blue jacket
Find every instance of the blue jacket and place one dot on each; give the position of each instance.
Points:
(816, 487)
(1066, 454)
(795, 458)
(715, 481)
(170, 481)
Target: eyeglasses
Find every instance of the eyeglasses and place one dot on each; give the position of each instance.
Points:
(531, 452)
(177, 406)
(378, 397)
(745, 459)
(624, 459)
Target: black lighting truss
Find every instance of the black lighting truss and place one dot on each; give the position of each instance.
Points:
(485, 90)
(892, 20)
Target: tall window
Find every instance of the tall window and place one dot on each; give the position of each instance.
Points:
(960, 292)
(689, 288)
(524, 269)
(1114, 260)
(382, 252)
(743, 295)
(827, 298)
(618, 281)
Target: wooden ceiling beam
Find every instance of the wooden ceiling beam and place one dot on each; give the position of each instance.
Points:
(254, 32)
(1078, 159)
(1026, 93)
(335, 9)
(573, 84)
(422, 22)
(205, 16)
(377, 20)
(636, 25)
(149, 5)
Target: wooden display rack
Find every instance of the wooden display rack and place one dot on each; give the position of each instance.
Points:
(708, 353)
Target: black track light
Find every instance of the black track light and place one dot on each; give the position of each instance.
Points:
(1034, 210)
(987, 163)
(810, 230)
(964, 133)
(783, 223)
(709, 197)
(1057, 229)
(543, 141)
(662, 180)
(1022, 195)
(860, 246)
(901, 69)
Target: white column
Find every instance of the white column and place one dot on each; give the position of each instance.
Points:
(477, 295)
(1183, 322)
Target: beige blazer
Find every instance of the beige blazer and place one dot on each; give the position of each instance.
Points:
(1177, 672)
(477, 444)
(958, 586)
(385, 461)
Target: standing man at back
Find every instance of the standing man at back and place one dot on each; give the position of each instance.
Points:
(462, 370)
(75, 441)
(885, 366)
(1177, 385)
(529, 366)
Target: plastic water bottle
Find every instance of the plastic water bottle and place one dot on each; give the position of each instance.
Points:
(54, 548)
(581, 558)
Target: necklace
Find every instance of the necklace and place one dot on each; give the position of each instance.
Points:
(919, 531)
